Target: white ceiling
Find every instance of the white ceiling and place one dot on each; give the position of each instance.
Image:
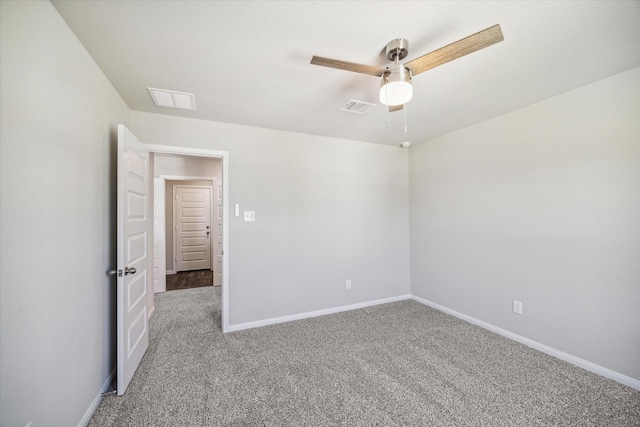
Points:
(247, 62)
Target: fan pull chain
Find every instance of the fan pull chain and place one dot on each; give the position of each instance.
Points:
(386, 88)
(405, 118)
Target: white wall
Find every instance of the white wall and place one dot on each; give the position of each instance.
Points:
(540, 205)
(327, 210)
(58, 117)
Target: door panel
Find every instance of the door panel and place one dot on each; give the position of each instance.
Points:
(137, 290)
(197, 213)
(193, 256)
(193, 197)
(133, 229)
(193, 227)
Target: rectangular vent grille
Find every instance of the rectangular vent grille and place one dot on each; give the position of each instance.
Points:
(172, 99)
(357, 107)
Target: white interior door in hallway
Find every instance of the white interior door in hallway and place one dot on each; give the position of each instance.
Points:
(192, 228)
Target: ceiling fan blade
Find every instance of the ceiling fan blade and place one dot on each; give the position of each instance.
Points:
(348, 66)
(455, 50)
(393, 108)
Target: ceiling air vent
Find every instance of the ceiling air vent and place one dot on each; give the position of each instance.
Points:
(357, 107)
(172, 99)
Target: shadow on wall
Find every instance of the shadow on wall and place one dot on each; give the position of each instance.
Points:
(113, 240)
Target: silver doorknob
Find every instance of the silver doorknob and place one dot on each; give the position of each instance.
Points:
(115, 273)
(128, 270)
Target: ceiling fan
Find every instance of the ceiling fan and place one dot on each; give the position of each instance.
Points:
(395, 88)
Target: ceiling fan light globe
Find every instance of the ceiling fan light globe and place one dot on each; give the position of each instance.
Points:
(396, 93)
(396, 88)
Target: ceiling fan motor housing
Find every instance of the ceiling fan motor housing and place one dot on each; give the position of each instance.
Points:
(395, 88)
(398, 48)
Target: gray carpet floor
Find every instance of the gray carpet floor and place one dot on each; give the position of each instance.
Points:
(398, 364)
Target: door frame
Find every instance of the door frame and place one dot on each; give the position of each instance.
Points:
(159, 236)
(173, 202)
(224, 157)
(162, 188)
(216, 252)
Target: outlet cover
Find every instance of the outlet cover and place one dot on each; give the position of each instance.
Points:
(517, 307)
(249, 216)
(348, 284)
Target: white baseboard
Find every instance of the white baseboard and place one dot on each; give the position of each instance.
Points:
(169, 272)
(308, 314)
(94, 405)
(596, 369)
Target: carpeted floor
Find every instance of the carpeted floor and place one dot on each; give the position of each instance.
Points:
(189, 279)
(399, 364)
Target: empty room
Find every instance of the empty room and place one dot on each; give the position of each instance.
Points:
(406, 213)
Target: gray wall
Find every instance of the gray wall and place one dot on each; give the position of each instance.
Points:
(327, 210)
(57, 180)
(539, 205)
(191, 166)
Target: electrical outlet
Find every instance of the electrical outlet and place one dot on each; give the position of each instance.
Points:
(249, 216)
(517, 307)
(348, 284)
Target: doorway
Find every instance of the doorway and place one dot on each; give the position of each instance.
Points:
(138, 223)
(191, 165)
(194, 238)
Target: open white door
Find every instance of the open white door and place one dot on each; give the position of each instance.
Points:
(133, 234)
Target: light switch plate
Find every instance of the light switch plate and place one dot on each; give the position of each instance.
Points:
(249, 216)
